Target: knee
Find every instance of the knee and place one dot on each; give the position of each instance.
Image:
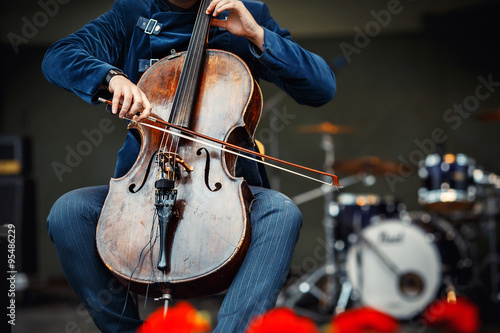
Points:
(72, 207)
(292, 215)
(283, 210)
(61, 213)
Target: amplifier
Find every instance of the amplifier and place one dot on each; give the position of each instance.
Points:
(15, 155)
(17, 205)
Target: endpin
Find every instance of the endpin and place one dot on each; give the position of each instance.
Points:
(167, 298)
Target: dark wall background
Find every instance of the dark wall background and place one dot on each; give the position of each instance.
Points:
(394, 91)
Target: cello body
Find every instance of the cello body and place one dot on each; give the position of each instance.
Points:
(208, 231)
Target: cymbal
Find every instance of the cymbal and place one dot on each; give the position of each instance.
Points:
(370, 165)
(491, 115)
(325, 128)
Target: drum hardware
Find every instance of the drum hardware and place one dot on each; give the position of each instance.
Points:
(329, 284)
(485, 178)
(326, 129)
(451, 295)
(323, 283)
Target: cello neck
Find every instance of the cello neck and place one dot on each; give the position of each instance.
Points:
(188, 82)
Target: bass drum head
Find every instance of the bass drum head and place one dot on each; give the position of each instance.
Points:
(395, 268)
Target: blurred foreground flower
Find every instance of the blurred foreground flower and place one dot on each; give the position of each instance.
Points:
(181, 318)
(281, 320)
(461, 316)
(363, 320)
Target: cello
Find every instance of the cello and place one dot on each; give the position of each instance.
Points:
(177, 223)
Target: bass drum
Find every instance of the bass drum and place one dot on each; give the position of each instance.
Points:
(399, 266)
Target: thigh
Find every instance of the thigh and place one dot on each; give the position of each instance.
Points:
(276, 223)
(72, 224)
(78, 209)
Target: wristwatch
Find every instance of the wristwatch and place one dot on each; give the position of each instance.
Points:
(111, 73)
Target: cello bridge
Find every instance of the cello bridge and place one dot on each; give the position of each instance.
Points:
(168, 160)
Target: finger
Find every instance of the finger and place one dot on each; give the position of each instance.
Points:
(222, 6)
(219, 23)
(116, 101)
(216, 5)
(211, 6)
(126, 103)
(137, 104)
(146, 107)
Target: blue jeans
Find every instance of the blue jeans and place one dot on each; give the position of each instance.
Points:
(276, 223)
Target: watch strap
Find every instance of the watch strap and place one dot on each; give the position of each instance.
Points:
(111, 74)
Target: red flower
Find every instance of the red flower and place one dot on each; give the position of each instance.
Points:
(181, 318)
(459, 317)
(281, 320)
(363, 320)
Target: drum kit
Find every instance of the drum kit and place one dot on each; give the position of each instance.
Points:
(380, 255)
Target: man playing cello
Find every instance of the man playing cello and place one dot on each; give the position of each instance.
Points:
(107, 58)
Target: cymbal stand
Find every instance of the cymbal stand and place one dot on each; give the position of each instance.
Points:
(329, 271)
(329, 222)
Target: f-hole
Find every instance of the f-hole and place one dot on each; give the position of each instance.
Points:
(218, 185)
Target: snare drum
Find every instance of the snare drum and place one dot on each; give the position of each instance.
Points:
(448, 183)
(399, 266)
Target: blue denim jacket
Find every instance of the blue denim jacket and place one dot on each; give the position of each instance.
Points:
(117, 39)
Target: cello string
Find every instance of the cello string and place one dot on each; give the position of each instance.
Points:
(180, 100)
(185, 92)
(185, 87)
(206, 143)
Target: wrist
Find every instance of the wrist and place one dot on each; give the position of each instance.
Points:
(258, 38)
(109, 75)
